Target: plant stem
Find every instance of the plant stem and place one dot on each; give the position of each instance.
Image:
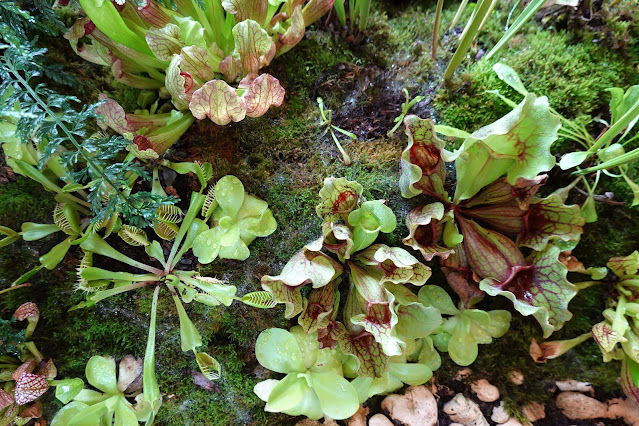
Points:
(438, 15)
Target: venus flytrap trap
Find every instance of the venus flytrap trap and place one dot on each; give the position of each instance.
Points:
(112, 400)
(205, 56)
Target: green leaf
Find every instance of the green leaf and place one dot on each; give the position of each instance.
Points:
(100, 373)
(56, 254)
(338, 398)
(462, 346)
(190, 338)
(411, 374)
(288, 393)
(124, 414)
(251, 42)
(573, 159)
(206, 245)
(510, 77)
(67, 389)
(517, 144)
(67, 413)
(106, 17)
(35, 231)
(151, 390)
(278, 350)
(432, 295)
(155, 251)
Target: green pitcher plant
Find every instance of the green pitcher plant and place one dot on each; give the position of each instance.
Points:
(381, 336)
(205, 56)
(477, 233)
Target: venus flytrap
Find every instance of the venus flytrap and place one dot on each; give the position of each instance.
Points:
(248, 217)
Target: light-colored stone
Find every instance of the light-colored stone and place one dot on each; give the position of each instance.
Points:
(575, 386)
(359, 418)
(499, 414)
(577, 406)
(512, 422)
(380, 420)
(623, 409)
(455, 424)
(463, 374)
(516, 378)
(534, 411)
(417, 407)
(485, 391)
(465, 411)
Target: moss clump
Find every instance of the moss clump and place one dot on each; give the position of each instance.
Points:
(573, 75)
(24, 201)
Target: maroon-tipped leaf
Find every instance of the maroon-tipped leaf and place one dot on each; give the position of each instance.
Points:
(490, 254)
(5, 399)
(27, 310)
(320, 308)
(426, 228)
(265, 91)
(152, 13)
(422, 168)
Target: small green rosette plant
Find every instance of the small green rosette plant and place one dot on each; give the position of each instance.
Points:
(314, 385)
(236, 219)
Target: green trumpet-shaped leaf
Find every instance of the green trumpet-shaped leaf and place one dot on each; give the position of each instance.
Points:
(518, 145)
(339, 197)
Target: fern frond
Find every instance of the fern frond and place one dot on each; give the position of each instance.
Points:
(259, 299)
(133, 236)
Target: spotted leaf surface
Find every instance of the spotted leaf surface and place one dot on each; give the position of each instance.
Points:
(539, 289)
(29, 387)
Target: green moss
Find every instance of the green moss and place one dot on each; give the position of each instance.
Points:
(573, 75)
(24, 201)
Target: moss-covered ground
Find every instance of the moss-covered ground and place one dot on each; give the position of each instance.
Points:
(283, 158)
